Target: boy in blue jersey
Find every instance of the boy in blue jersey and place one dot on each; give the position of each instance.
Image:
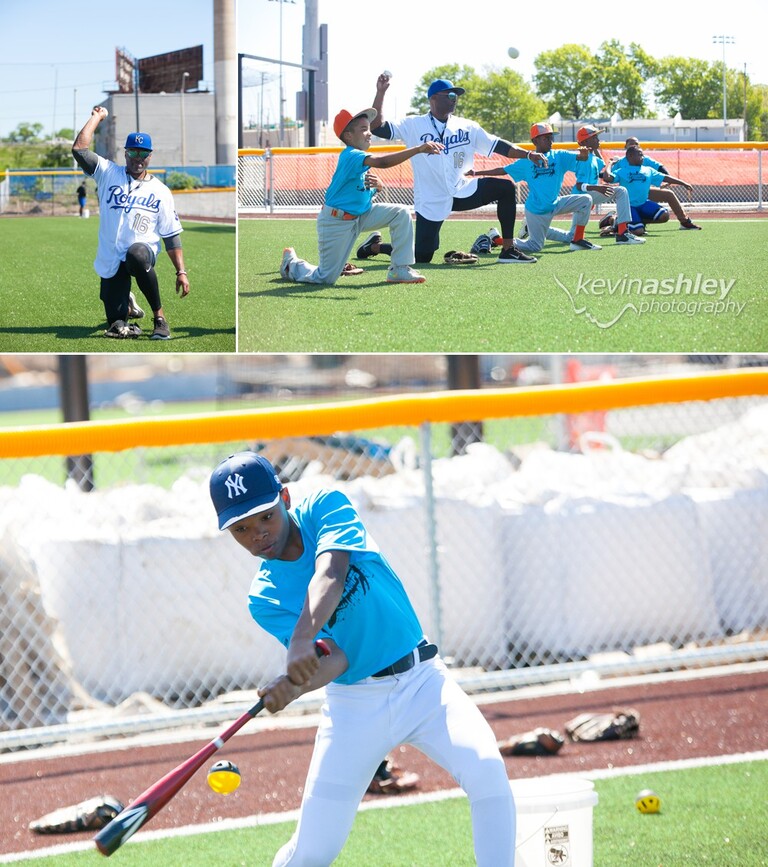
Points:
(663, 196)
(349, 208)
(638, 180)
(544, 201)
(590, 173)
(323, 576)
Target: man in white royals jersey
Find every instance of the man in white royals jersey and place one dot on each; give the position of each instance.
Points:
(440, 185)
(136, 211)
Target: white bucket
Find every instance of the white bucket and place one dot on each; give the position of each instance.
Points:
(86, 213)
(554, 821)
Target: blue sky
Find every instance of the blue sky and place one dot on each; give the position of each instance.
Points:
(50, 49)
(408, 37)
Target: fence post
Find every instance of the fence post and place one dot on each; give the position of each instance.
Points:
(269, 179)
(760, 180)
(429, 514)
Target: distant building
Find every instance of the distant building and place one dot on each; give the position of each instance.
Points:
(670, 129)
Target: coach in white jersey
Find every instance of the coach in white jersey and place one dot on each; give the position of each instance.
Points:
(440, 184)
(136, 211)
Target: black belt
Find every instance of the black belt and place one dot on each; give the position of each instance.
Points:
(424, 651)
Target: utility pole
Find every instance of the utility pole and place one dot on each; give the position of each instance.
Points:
(724, 40)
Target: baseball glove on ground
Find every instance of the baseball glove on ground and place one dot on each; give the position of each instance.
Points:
(88, 815)
(350, 270)
(619, 724)
(391, 780)
(458, 257)
(539, 742)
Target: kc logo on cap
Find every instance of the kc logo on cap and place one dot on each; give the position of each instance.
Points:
(139, 140)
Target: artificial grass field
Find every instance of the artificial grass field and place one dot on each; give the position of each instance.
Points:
(712, 815)
(49, 292)
(515, 308)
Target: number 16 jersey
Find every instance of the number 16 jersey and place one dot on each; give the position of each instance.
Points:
(130, 211)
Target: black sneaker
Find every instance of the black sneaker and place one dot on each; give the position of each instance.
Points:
(481, 246)
(584, 244)
(365, 251)
(512, 254)
(162, 331)
(122, 331)
(689, 224)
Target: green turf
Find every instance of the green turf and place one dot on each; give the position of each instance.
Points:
(49, 292)
(712, 815)
(514, 308)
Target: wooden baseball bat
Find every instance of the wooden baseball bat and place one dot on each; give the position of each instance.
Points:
(150, 802)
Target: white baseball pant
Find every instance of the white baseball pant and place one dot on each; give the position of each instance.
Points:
(336, 238)
(364, 721)
(539, 225)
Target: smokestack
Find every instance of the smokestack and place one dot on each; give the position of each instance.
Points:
(225, 80)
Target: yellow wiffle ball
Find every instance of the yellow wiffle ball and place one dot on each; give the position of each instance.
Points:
(648, 801)
(224, 777)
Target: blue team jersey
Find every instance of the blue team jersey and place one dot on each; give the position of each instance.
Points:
(622, 161)
(347, 188)
(638, 181)
(544, 184)
(588, 171)
(374, 623)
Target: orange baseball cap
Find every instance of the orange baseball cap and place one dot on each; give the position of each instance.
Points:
(541, 129)
(587, 132)
(343, 119)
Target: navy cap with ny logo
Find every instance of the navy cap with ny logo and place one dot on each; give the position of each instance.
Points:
(241, 485)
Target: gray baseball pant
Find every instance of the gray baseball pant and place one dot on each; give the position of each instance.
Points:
(620, 197)
(336, 238)
(539, 225)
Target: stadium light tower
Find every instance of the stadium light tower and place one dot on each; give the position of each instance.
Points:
(724, 40)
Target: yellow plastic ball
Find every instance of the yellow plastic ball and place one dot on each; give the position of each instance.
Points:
(648, 801)
(224, 777)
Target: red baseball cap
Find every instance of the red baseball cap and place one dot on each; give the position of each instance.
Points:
(343, 119)
(587, 132)
(541, 129)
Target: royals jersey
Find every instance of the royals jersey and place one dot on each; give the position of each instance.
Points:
(544, 182)
(439, 178)
(374, 622)
(130, 211)
(638, 181)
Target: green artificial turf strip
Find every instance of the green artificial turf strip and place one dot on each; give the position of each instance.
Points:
(552, 306)
(711, 815)
(49, 292)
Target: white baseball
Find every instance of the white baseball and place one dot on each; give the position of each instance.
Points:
(513, 52)
(387, 73)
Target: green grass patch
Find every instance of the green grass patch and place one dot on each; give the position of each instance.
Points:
(713, 815)
(612, 300)
(49, 292)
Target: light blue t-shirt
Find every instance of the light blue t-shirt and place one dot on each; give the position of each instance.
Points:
(622, 161)
(374, 623)
(347, 188)
(638, 181)
(588, 171)
(544, 184)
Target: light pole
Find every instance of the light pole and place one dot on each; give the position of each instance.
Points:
(724, 40)
(281, 99)
(184, 77)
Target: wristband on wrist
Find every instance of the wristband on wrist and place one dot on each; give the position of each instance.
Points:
(180, 272)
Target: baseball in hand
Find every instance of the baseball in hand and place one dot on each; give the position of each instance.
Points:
(387, 73)
(513, 52)
(101, 110)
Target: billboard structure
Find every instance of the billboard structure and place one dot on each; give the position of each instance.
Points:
(161, 73)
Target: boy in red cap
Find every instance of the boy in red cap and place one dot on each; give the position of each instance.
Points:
(349, 208)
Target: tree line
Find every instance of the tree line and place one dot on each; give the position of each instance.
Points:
(579, 83)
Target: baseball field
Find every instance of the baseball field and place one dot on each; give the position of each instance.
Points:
(682, 291)
(50, 292)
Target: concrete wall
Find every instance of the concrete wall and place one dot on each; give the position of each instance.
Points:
(219, 204)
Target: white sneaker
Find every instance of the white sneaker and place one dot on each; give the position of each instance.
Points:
(584, 244)
(134, 311)
(289, 254)
(404, 274)
(629, 238)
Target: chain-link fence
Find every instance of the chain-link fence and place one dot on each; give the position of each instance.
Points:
(295, 179)
(643, 547)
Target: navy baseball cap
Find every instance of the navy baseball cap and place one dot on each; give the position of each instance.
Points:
(243, 484)
(440, 84)
(139, 140)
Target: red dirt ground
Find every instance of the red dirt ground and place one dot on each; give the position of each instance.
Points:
(709, 716)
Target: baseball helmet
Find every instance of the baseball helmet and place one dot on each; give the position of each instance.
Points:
(241, 485)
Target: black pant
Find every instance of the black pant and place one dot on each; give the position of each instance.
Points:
(139, 263)
(488, 190)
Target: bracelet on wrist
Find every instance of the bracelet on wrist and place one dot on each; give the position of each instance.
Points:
(180, 272)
